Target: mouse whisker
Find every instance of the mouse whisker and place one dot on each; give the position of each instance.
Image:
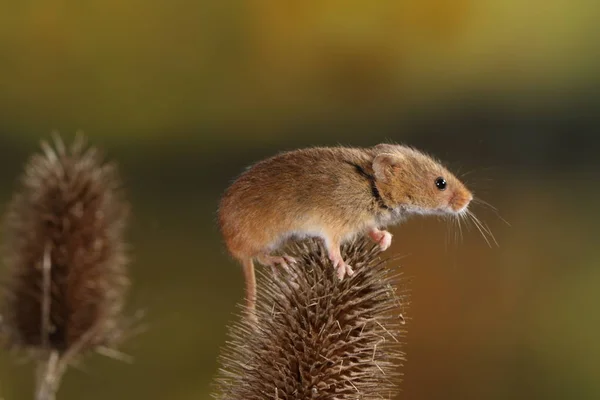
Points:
(478, 200)
(456, 226)
(452, 231)
(484, 229)
(489, 230)
(458, 232)
(447, 238)
(465, 218)
(461, 219)
(480, 230)
(495, 210)
(463, 174)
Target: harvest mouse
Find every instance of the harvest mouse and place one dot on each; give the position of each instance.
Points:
(333, 193)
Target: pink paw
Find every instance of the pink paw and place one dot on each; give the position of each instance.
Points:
(290, 260)
(386, 241)
(383, 238)
(274, 261)
(342, 268)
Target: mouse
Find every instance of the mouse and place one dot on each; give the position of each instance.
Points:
(335, 194)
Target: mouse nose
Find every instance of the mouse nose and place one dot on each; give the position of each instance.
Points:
(460, 202)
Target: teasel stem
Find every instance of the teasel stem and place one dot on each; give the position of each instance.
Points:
(48, 377)
(47, 381)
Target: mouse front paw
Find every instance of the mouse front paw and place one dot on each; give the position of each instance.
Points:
(382, 238)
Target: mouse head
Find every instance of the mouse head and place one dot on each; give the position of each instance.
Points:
(411, 181)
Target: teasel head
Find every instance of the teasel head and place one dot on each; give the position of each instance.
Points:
(317, 337)
(65, 253)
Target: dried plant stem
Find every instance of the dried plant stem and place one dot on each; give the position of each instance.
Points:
(53, 365)
(46, 300)
(49, 373)
(52, 368)
(49, 376)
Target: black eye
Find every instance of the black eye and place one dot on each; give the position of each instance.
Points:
(440, 183)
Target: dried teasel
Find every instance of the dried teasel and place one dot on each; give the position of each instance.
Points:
(317, 337)
(64, 252)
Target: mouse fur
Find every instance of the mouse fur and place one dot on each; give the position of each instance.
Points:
(333, 193)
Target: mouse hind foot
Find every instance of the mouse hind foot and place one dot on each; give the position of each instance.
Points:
(276, 261)
(341, 267)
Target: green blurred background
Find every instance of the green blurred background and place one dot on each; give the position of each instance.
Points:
(185, 94)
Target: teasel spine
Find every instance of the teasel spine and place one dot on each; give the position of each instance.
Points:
(317, 337)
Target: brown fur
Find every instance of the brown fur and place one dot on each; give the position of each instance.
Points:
(333, 193)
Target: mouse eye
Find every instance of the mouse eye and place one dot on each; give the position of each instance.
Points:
(440, 183)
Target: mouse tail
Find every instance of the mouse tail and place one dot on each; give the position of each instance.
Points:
(250, 279)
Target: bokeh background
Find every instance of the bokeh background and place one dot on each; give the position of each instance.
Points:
(185, 94)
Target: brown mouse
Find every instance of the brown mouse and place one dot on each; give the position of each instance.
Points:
(333, 193)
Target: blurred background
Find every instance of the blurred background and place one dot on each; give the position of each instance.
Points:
(185, 94)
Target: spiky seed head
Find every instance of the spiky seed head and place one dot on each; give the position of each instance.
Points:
(68, 215)
(317, 337)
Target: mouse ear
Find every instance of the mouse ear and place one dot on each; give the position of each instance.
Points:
(387, 165)
(387, 148)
